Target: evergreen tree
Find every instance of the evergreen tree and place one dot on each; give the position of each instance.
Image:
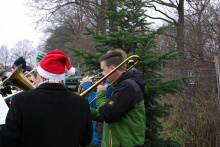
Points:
(132, 34)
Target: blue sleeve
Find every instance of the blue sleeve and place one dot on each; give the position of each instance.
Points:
(91, 96)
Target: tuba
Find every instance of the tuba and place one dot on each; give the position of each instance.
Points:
(19, 80)
(127, 60)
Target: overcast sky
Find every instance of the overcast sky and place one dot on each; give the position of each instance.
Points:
(16, 25)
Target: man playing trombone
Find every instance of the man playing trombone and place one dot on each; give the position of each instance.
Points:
(123, 112)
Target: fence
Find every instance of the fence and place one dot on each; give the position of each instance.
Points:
(196, 111)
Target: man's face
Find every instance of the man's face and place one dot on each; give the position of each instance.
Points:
(38, 79)
(106, 70)
(14, 67)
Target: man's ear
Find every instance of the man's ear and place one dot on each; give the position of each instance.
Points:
(112, 67)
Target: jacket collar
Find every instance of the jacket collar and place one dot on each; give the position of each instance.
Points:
(52, 86)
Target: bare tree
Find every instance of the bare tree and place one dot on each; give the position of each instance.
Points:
(202, 30)
(172, 12)
(23, 49)
(196, 25)
(4, 55)
(66, 28)
(47, 10)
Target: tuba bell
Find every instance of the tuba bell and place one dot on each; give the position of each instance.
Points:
(19, 80)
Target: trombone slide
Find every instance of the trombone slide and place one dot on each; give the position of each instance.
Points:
(89, 90)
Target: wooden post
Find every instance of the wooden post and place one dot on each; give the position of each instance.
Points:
(217, 68)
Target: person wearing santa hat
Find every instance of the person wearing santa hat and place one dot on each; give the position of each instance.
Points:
(50, 115)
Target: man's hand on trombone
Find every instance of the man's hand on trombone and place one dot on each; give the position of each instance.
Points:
(102, 87)
(86, 79)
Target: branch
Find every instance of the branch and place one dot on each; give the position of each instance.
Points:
(165, 4)
(163, 14)
(159, 18)
(177, 2)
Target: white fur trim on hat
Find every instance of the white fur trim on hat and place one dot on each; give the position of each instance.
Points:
(72, 71)
(48, 75)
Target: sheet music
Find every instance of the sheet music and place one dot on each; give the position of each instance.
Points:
(3, 110)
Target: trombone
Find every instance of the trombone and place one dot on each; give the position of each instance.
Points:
(89, 90)
(80, 89)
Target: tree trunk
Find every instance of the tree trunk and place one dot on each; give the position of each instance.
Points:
(180, 28)
(101, 22)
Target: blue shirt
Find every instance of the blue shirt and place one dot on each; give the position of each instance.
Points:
(97, 139)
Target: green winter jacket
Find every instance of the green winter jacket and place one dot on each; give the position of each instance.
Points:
(124, 112)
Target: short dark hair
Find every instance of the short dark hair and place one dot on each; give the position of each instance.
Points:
(112, 58)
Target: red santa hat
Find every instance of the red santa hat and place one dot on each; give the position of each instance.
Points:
(53, 65)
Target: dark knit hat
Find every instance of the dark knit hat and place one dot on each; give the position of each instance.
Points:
(40, 56)
(20, 61)
(28, 68)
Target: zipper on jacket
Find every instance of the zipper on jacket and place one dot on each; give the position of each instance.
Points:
(110, 138)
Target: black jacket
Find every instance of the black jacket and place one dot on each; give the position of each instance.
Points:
(124, 112)
(48, 116)
(127, 93)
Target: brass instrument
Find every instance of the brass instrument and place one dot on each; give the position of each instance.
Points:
(2, 82)
(19, 80)
(29, 74)
(89, 90)
(80, 89)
